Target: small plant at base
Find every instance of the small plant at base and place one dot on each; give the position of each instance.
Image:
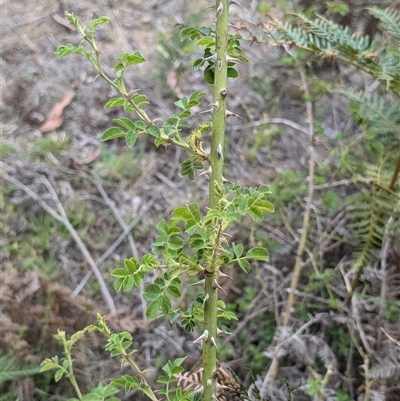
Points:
(191, 243)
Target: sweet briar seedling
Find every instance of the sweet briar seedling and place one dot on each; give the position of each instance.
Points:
(193, 242)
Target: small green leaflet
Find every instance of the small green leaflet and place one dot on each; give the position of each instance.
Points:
(128, 276)
(244, 264)
(101, 20)
(131, 137)
(173, 291)
(125, 122)
(152, 309)
(152, 292)
(115, 102)
(63, 51)
(131, 58)
(258, 253)
(238, 249)
(112, 133)
(189, 166)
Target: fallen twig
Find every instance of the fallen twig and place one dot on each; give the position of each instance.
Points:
(62, 218)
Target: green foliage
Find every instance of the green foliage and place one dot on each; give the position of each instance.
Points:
(288, 186)
(371, 209)
(116, 164)
(196, 243)
(378, 114)
(11, 369)
(331, 40)
(6, 149)
(193, 242)
(331, 201)
(171, 393)
(208, 41)
(35, 247)
(369, 162)
(48, 144)
(187, 249)
(390, 21)
(338, 7)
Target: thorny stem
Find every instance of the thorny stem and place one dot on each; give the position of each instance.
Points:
(216, 163)
(70, 372)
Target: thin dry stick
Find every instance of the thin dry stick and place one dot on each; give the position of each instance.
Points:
(283, 121)
(62, 218)
(334, 184)
(122, 223)
(273, 369)
(116, 243)
(298, 240)
(117, 215)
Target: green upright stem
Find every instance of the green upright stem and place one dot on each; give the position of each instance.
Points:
(71, 374)
(216, 163)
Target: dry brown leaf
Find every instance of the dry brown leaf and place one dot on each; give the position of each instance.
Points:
(56, 118)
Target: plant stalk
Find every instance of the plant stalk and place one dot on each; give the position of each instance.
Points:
(216, 163)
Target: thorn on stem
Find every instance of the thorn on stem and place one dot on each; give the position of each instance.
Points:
(206, 111)
(223, 275)
(220, 9)
(203, 337)
(215, 105)
(216, 285)
(221, 333)
(214, 343)
(201, 282)
(229, 114)
(219, 152)
(206, 298)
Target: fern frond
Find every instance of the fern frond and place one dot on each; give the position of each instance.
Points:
(329, 39)
(259, 391)
(383, 116)
(321, 36)
(370, 212)
(11, 371)
(387, 371)
(16, 374)
(338, 35)
(390, 21)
